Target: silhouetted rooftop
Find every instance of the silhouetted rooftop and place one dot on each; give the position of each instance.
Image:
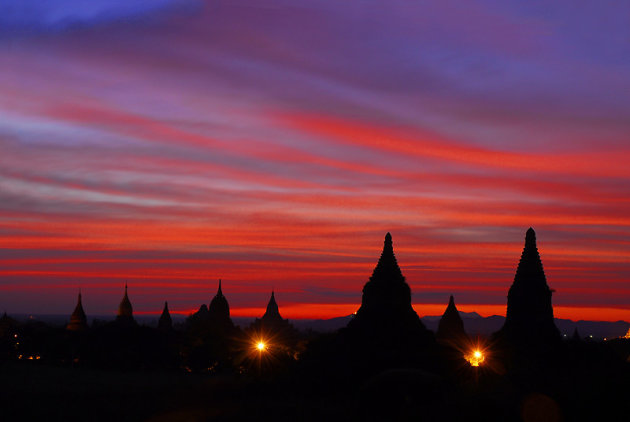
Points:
(165, 322)
(529, 318)
(125, 310)
(386, 302)
(451, 325)
(219, 309)
(78, 319)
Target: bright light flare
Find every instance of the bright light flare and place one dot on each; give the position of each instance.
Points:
(261, 346)
(475, 358)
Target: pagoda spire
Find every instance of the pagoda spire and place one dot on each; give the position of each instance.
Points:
(530, 268)
(125, 310)
(451, 325)
(219, 309)
(529, 317)
(78, 319)
(386, 302)
(387, 269)
(272, 308)
(165, 323)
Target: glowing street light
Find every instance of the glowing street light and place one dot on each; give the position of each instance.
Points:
(261, 346)
(475, 358)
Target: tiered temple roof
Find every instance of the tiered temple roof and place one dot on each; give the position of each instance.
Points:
(529, 318)
(386, 303)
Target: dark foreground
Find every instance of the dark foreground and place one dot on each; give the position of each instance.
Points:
(587, 388)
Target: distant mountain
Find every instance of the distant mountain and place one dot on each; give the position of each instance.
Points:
(474, 324)
(436, 318)
(322, 325)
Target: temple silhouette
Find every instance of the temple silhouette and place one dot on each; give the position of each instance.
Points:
(277, 330)
(125, 311)
(271, 319)
(219, 311)
(529, 319)
(216, 316)
(385, 364)
(210, 335)
(451, 326)
(386, 312)
(165, 323)
(78, 319)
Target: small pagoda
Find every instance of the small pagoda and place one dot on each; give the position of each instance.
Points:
(219, 310)
(271, 319)
(451, 326)
(272, 313)
(165, 323)
(125, 310)
(78, 319)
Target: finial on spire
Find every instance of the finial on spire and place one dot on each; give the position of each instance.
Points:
(388, 247)
(451, 301)
(219, 292)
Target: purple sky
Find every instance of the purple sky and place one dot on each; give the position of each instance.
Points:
(169, 143)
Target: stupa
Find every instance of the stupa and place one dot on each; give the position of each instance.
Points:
(272, 318)
(386, 309)
(125, 310)
(219, 309)
(165, 323)
(451, 326)
(529, 320)
(78, 320)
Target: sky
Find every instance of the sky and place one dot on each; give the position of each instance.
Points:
(172, 143)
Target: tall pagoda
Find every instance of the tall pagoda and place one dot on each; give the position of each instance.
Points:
(529, 320)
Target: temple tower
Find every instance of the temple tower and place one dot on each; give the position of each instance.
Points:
(272, 323)
(78, 320)
(125, 310)
(219, 309)
(451, 325)
(165, 322)
(272, 317)
(529, 318)
(386, 302)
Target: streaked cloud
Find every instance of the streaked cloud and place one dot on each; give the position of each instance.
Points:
(173, 143)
